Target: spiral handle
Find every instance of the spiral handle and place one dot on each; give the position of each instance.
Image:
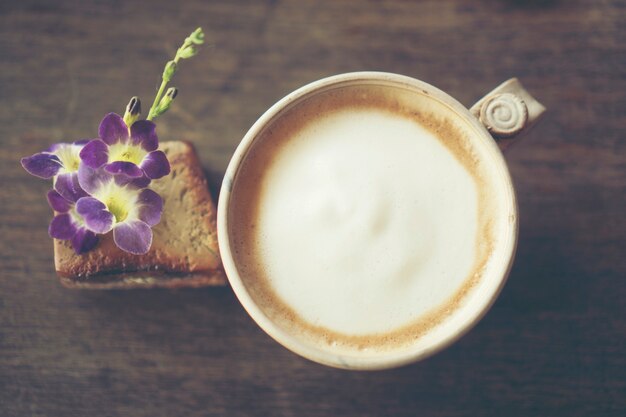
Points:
(504, 115)
(508, 111)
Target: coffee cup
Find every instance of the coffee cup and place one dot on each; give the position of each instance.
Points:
(368, 220)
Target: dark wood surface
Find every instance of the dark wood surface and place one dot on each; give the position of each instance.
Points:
(553, 344)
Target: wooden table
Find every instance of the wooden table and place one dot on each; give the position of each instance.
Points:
(553, 344)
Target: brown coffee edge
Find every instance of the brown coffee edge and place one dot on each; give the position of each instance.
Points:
(280, 131)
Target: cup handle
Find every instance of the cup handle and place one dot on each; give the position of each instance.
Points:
(507, 112)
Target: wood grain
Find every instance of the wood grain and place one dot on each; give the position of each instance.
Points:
(554, 343)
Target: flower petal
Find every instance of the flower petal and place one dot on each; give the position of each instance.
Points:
(143, 132)
(43, 165)
(113, 129)
(62, 227)
(150, 207)
(58, 203)
(155, 165)
(91, 179)
(124, 168)
(95, 214)
(95, 153)
(84, 240)
(133, 236)
(81, 142)
(68, 186)
(142, 182)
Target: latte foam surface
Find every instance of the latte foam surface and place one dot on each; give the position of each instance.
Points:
(366, 222)
(359, 226)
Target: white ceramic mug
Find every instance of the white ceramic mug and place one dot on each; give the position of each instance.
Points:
(503, 115)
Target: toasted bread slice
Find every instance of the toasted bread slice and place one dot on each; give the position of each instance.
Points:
(184, 251)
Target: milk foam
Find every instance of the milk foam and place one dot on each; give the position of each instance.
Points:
(365, 222)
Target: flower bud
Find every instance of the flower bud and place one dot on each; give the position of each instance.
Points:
(172, 92)
(133, 110)
(188, 52)
(166, 101)
(168, 72)
(197, 37)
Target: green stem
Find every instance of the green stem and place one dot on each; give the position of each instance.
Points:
(157, 99)
(159, 94)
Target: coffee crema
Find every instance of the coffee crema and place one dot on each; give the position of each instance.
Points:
(363, 218)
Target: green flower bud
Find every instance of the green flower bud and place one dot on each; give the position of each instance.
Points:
(172, 92)
(166, 102)
(168, 72)
(188, 52)
(133, 110)
(197, 37)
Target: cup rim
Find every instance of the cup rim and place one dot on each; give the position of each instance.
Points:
(388, 359)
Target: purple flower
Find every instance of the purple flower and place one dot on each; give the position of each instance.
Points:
(116, 204)
(60, 162)
(67, 224)
(99, 185)
(127, 152)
